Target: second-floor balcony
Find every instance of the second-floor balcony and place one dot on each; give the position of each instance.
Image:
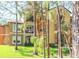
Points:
(29, 29)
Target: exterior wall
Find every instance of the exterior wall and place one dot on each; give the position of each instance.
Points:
(13, 33)
(39, 25)
(52, 38)
(7, 35)
(2, 31)
(53, 22)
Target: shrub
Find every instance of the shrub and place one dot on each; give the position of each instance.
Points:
(65, 51)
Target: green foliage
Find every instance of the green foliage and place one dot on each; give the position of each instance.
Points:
(45, 4)
(54, 51)
(34, 40)
(65, 51)
(37, 41)
(41, 42)
(40, 47)
(40, 50)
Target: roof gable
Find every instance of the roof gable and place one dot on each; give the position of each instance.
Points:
(61, 7)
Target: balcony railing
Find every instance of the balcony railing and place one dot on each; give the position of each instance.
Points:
(29, 31)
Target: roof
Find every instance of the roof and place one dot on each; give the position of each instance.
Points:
(14, 21)
(4, 22)
(59, 7)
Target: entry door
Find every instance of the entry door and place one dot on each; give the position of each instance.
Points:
(28, 40)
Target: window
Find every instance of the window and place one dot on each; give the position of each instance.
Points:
(14, 28)
(14, 40)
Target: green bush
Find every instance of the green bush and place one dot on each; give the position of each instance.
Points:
(34, 40)
(65, 51)
(54, 51)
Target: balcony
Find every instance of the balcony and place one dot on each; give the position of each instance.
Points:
(29, 29)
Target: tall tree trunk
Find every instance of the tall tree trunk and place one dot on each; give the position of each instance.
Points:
(75, 30)
(42, 18)
(16, 45)
(70, 36)
(24, 34)
(48, 50)
(59, 32)
(34, 18)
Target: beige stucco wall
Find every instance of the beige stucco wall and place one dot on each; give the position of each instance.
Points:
(53, 21)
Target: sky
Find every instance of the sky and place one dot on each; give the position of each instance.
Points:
(11, 6)
(8, 9)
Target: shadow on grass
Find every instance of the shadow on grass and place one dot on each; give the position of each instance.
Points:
(26, 52)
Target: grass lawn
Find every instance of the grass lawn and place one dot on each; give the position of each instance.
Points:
(65, 52)
(7, 51)
(10, 52)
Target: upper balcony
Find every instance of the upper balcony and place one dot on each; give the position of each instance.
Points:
(29, 29)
